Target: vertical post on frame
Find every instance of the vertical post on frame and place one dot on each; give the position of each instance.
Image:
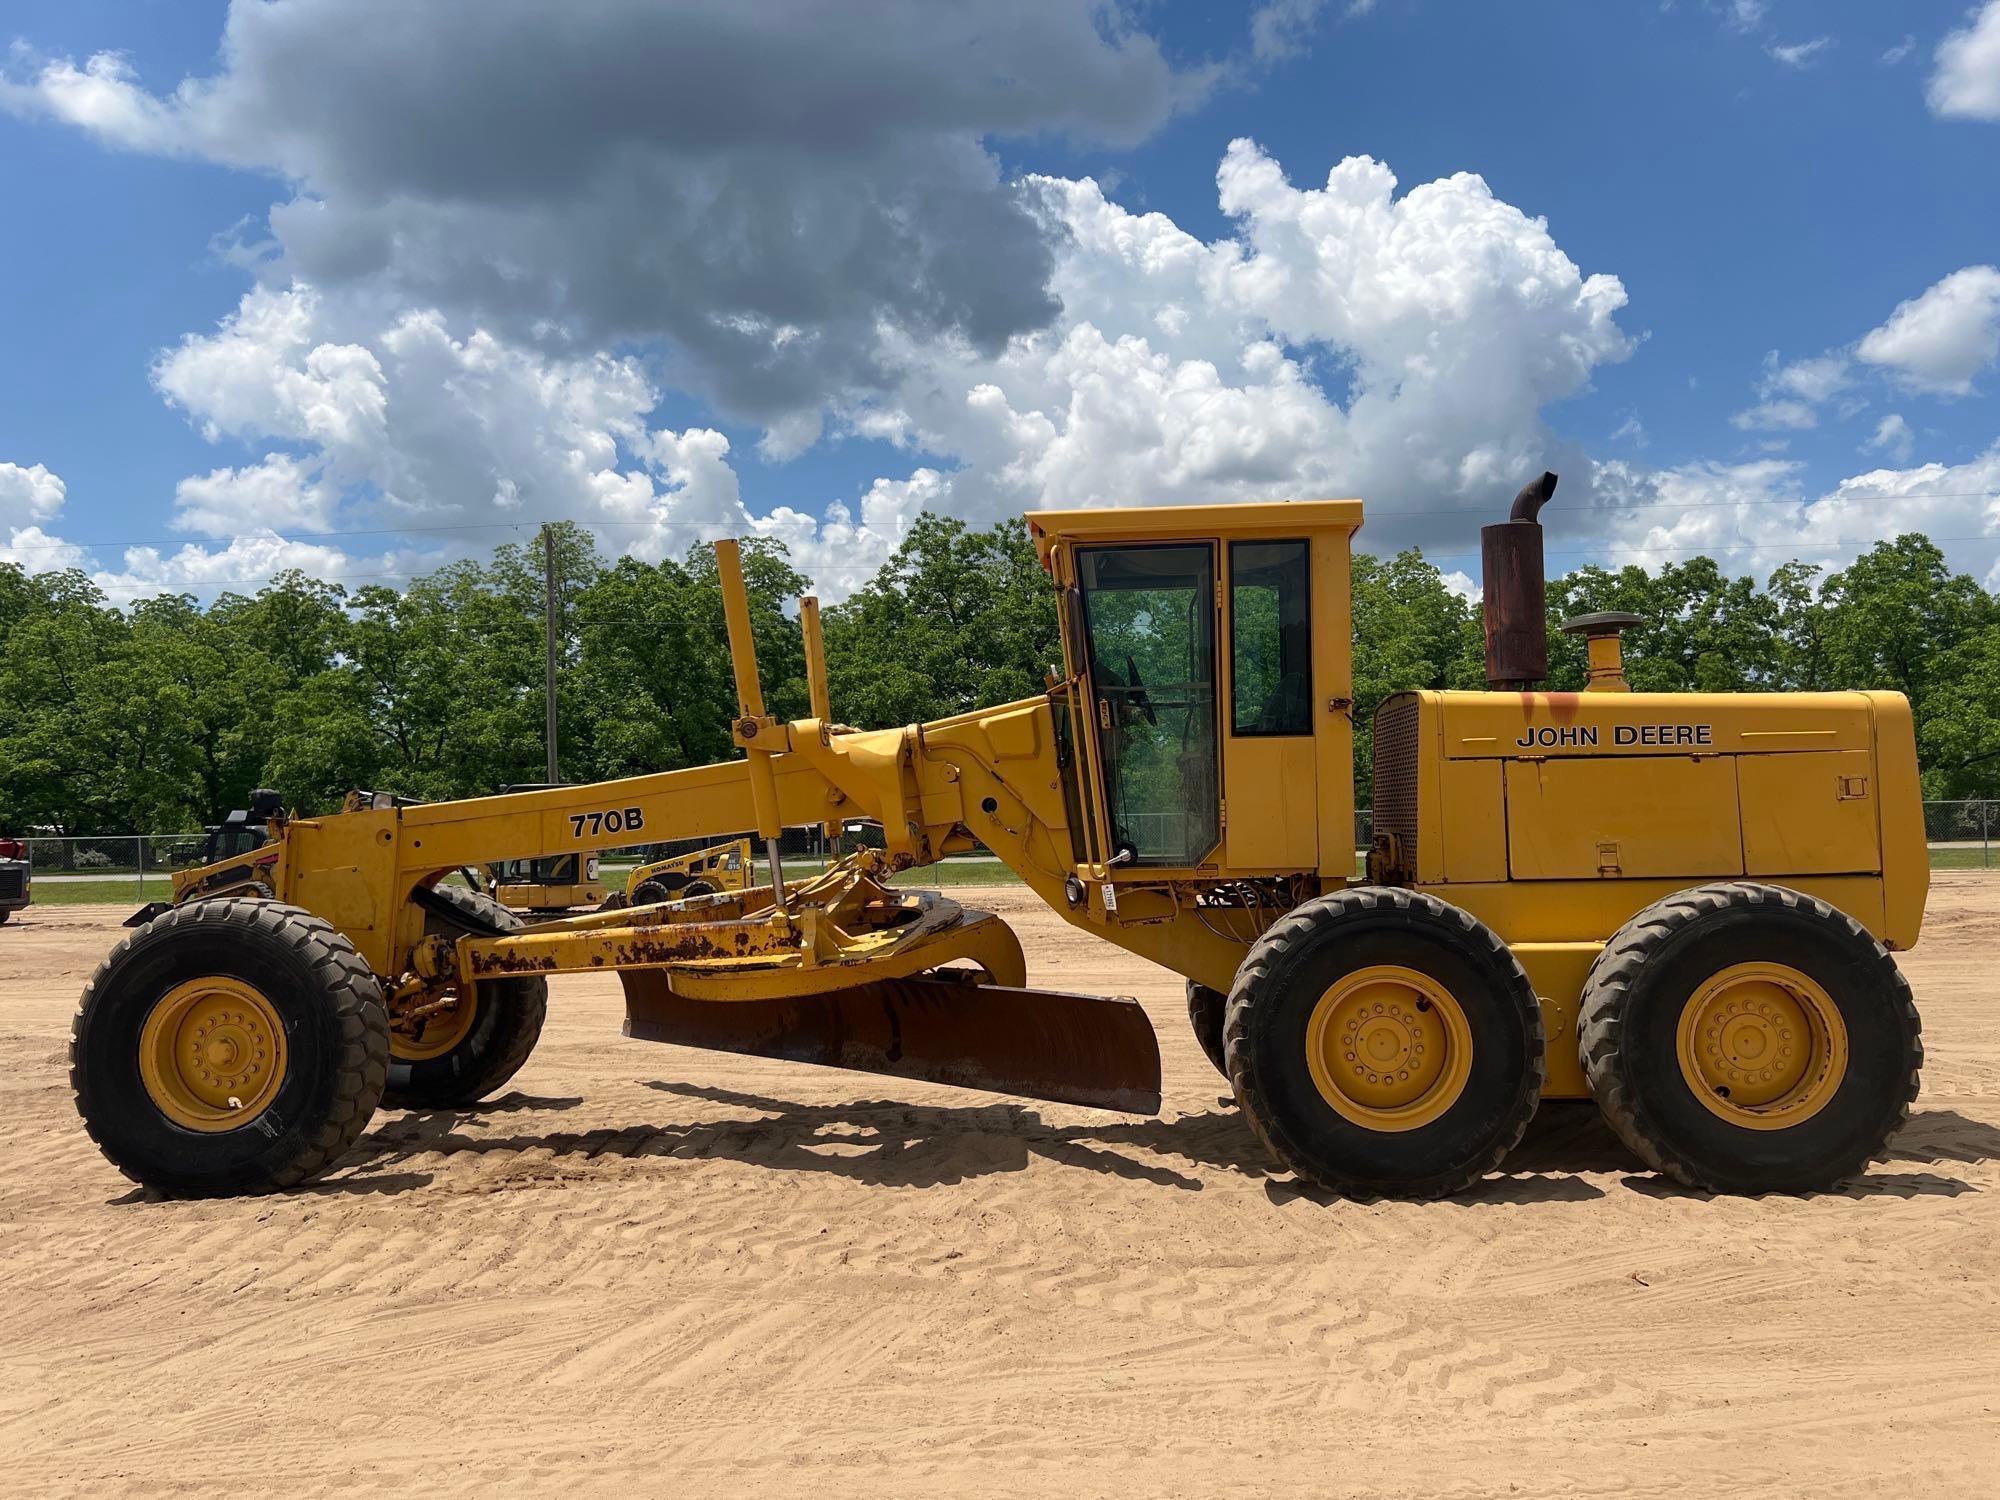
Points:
(549, 641)
(816, 688)
(751, 718)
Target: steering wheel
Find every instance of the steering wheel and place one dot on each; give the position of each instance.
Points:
(1139, 700)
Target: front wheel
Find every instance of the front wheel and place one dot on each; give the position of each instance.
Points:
(459, 1056)
(229, 1046)
(1383, 1043)
(1746, 1038)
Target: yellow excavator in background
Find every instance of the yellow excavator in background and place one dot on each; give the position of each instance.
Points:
(559, 883)
(1682, 905)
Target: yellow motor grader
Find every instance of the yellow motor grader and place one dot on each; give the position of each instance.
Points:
(1682, 905)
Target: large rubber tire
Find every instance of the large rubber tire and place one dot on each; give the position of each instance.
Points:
(651, 893)
(1314, 949)
(505, 1026)
(1628, 1027)
(336, 1038)
(5, 913)
(1206, 1009)
(695, 888)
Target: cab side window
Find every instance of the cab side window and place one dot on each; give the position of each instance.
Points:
(1270, 637)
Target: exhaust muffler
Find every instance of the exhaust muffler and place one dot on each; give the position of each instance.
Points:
(1516, 592)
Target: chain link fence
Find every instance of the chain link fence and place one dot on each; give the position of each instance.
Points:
(1962, 836)
(130, 857)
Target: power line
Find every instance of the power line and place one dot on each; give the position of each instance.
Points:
(1714, 548)
(1371, 513)
(1429, 556)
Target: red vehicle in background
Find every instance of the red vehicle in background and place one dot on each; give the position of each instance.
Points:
(16, 878)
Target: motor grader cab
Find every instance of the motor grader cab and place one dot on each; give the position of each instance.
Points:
(1682, 906)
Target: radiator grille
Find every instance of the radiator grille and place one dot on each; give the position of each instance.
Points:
(1396, 773)
(12, 882)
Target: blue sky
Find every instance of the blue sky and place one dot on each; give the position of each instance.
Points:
(1752, 199)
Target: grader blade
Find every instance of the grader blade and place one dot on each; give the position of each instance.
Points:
(1039, 1044)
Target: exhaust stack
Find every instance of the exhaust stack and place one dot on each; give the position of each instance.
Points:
(1516, 604)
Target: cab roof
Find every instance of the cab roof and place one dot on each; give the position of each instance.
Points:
(1156, 523)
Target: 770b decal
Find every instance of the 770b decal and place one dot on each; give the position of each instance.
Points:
(611, 820)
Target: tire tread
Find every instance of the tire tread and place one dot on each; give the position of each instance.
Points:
(1603, 1016)
(1253, 982)
(360, 1069)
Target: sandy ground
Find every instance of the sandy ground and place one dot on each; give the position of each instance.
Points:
(655, 1271)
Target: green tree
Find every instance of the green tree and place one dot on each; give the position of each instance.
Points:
(1702, 631)
(1959, 733)
(957, 619)
(1895, 614)
(1410, 631)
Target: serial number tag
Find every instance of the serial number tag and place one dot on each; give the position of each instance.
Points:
(610, 820)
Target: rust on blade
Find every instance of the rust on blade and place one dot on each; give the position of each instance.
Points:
(1038, 1044)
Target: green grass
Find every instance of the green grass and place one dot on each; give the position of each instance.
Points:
(1964, 859)
(124, 890)
(113, 891)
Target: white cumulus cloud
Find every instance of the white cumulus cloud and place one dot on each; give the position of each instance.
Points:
(759, 184)
(281, 493)
(1940, 340)
(29, 494)
(1965, 84)
(1345, 338)
(1753, 516)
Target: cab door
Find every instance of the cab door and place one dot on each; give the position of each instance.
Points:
(1149, 625)
(1270, 758)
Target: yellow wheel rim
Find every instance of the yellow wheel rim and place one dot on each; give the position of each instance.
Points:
(1389, 1048)
(212, 1053)
(1762, 1045)
(441, 1032)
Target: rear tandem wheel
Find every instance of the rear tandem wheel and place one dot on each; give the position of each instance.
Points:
(1747, 1038)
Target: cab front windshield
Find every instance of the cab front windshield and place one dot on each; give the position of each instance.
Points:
(1149, 622)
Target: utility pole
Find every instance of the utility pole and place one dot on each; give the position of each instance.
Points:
(549, 633)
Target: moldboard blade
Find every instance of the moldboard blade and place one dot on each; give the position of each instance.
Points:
(1039, 1044)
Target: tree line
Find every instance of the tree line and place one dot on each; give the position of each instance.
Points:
(160, 715)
